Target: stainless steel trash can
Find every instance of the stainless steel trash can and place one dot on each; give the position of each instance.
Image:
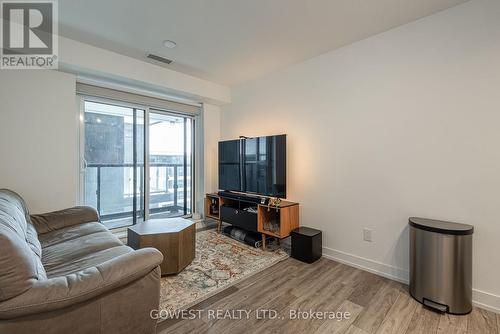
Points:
(441, 264)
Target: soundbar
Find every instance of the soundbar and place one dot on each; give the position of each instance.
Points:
(240, 197)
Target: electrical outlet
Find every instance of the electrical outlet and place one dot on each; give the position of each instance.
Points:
(367, 234)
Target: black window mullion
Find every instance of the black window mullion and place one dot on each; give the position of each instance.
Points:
(193, 167)
(185, 166)
(134, 168)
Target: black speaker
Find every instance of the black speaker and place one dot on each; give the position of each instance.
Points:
(306, 244)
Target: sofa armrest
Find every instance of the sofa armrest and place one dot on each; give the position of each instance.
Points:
(60, 292)
(51, 221)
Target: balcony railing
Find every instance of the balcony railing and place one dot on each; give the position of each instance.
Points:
(168, 194)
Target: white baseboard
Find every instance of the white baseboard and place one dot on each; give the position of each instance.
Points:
(480, 298)
(378, 268)
(486, 300)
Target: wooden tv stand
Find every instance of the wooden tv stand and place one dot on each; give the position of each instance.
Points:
(277, 222)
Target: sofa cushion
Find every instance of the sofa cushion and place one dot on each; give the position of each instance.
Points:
(79, 247)
(32, 240)
(20, 262)
(69, 233)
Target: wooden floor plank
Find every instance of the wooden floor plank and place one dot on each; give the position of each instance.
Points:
(424, 321)
(328, 286)
(254, 296)
(320, 301)
(449, 323)
(186, 326)
(355, 330)
(366, 288)
(399, 316)
(339, 326)
(289, 267)
(326, 297)
(374, 313)
(482, 322)
(318, 292)
(277, 304)
(306, 283)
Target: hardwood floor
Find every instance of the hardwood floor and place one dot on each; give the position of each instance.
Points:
(376, 305)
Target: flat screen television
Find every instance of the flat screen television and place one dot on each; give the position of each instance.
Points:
(254, 165)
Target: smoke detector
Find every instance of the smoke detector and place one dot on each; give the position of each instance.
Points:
(169, 44)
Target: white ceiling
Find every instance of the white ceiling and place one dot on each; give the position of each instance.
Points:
(232, 41)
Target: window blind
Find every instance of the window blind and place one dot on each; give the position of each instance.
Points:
(133, 98)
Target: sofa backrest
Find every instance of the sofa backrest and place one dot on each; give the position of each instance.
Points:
(20, 250)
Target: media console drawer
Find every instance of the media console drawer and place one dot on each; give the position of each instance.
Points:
(238, 217)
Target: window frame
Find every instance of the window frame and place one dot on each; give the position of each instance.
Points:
(195, 118)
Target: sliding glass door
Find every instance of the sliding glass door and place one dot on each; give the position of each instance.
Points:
(170, 166)
(137, 162)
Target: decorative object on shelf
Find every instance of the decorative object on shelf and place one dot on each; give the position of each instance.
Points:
(272, 227)
(214, 207)
(274, 202)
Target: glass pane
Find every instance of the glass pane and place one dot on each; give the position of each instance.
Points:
(114, 154)
(170, 160)
(139, 163)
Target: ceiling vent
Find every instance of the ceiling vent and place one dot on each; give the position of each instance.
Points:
(160, 59)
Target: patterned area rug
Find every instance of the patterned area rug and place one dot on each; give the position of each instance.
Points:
(220, 262)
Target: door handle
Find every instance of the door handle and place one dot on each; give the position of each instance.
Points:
(83, 165)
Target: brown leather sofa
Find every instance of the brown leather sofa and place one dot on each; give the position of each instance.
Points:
(64, 272)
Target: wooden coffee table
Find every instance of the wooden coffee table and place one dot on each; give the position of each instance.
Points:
(175, 238)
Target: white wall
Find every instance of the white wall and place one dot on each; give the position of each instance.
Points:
(406, 123)
(38, 137)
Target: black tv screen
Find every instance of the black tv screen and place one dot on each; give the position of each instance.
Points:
(254, 165)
